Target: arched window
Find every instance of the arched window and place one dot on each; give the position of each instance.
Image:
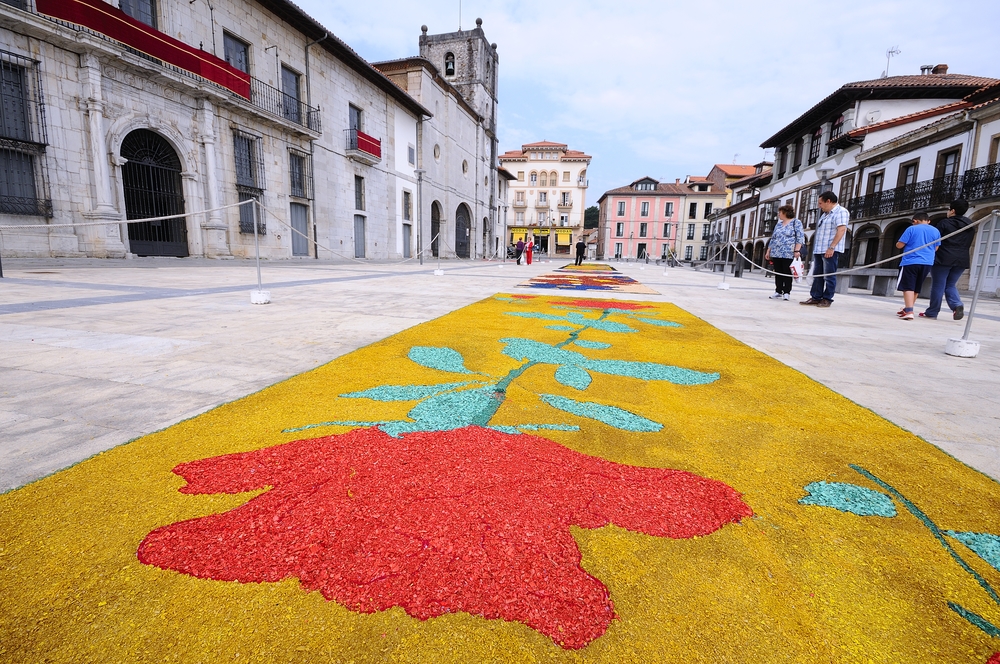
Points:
(449, 64)
(534, 178)
(545, 180)
(553, 178)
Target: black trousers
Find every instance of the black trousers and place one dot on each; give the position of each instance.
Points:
(579, 259)
(782, 275)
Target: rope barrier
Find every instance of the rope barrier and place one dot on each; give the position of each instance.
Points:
(868, 266)
(46, 227)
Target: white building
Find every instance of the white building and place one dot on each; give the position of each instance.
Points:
(888, 148)
(548, 195)
(169, 107)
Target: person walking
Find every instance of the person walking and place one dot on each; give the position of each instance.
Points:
(828, 245)
(519, 247)
(786, 242)
(950, 261)
(917, 259)
(581, 248)
(529, 248)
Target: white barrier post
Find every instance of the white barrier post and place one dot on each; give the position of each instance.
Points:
(259, 296)
(964, 347)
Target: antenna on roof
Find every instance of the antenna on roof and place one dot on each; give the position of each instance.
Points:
(888, 54)
(459, 15)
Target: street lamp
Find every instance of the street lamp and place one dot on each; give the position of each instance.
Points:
(419, 172)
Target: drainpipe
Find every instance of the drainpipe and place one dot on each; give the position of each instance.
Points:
(312, 145)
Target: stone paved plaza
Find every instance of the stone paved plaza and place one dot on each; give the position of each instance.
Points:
(96, 352)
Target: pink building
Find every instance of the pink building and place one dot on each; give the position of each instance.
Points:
(640, 220)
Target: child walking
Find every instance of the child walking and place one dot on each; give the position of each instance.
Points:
(914, 267)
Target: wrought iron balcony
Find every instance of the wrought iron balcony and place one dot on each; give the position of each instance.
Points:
(362, 147)
(113, 26)
(916, 196)
(565, 203)
(980, 183)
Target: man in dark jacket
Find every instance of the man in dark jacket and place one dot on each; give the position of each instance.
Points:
(581, 248)
(519, 247)
(950, 261)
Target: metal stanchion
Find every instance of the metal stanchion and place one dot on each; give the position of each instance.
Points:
(259, 296)
(964, 347)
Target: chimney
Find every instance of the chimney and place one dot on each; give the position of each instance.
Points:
(926, 69)
(677, 180)
(940, 69)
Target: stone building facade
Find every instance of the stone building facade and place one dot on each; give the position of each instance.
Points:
(159, 108)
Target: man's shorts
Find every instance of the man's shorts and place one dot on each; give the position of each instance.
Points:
(911, 277)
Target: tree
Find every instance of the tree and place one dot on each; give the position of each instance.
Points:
(590, 217)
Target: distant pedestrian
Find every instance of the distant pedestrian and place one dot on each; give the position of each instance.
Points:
(529, 249)
(950, 261)
(786, 242)
(916, 265)
(828, 245)
(519, 247)
(581, 249)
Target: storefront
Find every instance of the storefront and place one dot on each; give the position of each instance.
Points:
(564, 241)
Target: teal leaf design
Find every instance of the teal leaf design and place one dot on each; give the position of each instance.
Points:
(849, 498)
(598, 324)
(573, 376)
(985, 545)
(536, 351)
(661, 323)
(451, 410)
(651, 371)
(443, 359)
(567, 328)
(404, 392)
(610, 415)
(975, 619)
(597, 345)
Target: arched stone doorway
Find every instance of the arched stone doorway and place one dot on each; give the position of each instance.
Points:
(435, 228)
(867, 245)
(463, 226)
(758, 255)
(151, 178)
(889, 239)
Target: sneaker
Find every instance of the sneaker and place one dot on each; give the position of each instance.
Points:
(959, 313)
(810, 301)
(907, 316)
(776, 296)
(924, 315)
(824, 303)
(785, 297)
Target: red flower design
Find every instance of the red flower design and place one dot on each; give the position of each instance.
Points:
(607, 304)
(469, 520)
(995, 659)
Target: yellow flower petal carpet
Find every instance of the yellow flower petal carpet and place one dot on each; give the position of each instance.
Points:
(526, 479)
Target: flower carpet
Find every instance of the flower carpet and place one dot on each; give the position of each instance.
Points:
(529, 478)
(589, 276)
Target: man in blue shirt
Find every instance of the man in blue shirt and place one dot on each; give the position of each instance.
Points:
(917, 259)
(828, 245)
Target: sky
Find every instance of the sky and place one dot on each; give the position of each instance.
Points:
(667, 89)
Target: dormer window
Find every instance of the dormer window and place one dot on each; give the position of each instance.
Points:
(449, 64)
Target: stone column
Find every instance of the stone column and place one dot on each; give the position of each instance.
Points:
(213, 226)
(99, 241)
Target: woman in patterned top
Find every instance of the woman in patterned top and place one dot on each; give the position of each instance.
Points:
(786, 241)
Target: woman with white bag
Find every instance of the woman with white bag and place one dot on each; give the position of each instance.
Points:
(786, 241)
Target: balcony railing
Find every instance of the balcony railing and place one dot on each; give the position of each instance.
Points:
(980, 183)
(916, 196)
(273, 100)
(565, 202)
(582, 182)
(363, 147)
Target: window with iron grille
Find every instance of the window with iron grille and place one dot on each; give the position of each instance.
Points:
(299, 174)
(291, 107)
(359, 192)
(621, 208)
(666, 231)
(690, 231)
(687, 252)
(643, 229)
(702, 253)
(644, 209)
(620, 229)
(249, 161)
(668, 210)
(23, 186)
(704, 231)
